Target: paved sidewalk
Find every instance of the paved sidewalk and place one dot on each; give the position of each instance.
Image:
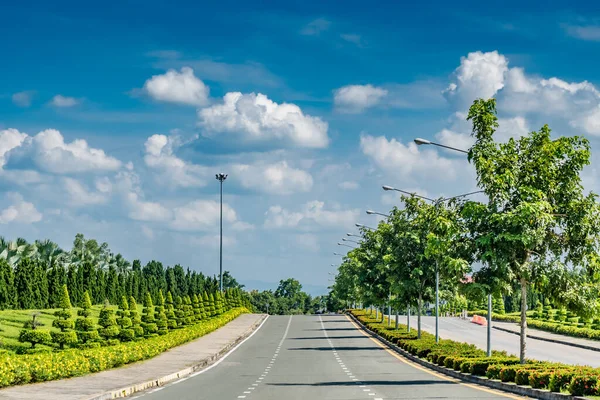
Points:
(204, 350)
(549, 336)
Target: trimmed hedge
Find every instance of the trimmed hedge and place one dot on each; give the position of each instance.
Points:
(467, 358)
(21, 369)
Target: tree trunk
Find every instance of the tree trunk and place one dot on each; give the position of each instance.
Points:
(419, 306)
(523, 320)
(396, 319)
(382, 314)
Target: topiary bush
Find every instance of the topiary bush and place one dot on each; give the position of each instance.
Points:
(161, 316)
(35, 337)
(66, 336)
(206, 305)
(124, 321)
(170, 312)
(110, 330)
(85, 326)
(136, 320)
(148, 319)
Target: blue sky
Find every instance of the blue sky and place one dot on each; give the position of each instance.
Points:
(114, 118)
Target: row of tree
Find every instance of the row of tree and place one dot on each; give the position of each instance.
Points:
(537, 230)
(32, 275)
(288, 298)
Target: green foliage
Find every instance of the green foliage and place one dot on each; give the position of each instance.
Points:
(35, 337)
(148, 319)
(66, 336)
(161, 317)
(136, 320)
(170, 312)
(22, 369)
(110, 329)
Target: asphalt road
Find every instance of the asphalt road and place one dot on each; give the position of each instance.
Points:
(313, 358)
(464, 331)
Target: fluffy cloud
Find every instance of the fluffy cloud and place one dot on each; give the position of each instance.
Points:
(141, 210)
(584, 32)
(202, 215)
(10, 139)
(257, 118)
(311, 213)
(63, 101)
(159, 155)
(50, 153)
(357, 98)
(23, 99)
(20, 211)
(278, 178)
(406, 160)
(178, 87)
(213, 241)
(80, 195)
(479, 75)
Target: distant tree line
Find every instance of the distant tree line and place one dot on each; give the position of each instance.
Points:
(288, 298)
(32, 275)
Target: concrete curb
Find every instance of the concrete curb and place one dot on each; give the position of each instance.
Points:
(483, 381)
(557, 341)
(201, 364)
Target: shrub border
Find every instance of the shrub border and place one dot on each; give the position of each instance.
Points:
(201, 364)
(483, 381)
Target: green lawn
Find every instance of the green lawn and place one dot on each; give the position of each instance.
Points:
(11, 323)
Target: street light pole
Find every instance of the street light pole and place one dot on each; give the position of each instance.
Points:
(221, 178)
(489, 325)
(437, 303)
(420, 142)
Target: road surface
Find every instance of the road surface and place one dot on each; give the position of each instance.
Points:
(464, 331)
(314, 358)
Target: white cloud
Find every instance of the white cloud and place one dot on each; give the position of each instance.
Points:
(357, 98)
(50, 153)
(314, 28)
(257, 118)
(159, 155)
(480, 75)
(80, 195)
(313, 212)
(348, 185)
(307, 241)
(204, 215)
(278, 178)
(213, 241)
(584, 32)
(23, 99)
(20, 211)
(178, 87)
(63, 101)
(141, 210)
(353, 38)
(408, 161)
(147, 232)
(10, 139)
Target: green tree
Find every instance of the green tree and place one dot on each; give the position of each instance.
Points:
(196, 307)
(84, 325)
(161, 317)
(180, 313)
(24, 284)
(170, 312)
(206, 305)
(136, 320)
(537, 218)
(212, 305)
(8, 294)
(148, 319)
(124, 321)
(66, 336)
(110, 330)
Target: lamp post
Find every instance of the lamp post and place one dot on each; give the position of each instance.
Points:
(437, 272)
(342, 244)
(364, 226)
(371, 212)
(351, 241)
(221, 178)
(338, 254)
(420, 142)
(353, 235)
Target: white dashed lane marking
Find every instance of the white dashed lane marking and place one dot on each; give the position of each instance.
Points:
(268, 367)
(343, 366)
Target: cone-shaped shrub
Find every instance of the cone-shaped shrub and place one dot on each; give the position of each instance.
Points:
(66, 336)
(228, 299)
(196, 307)
(136, 320)
(161, 317)
(85, 326)
(180, 311)
(205, 306)
(189, 310)
(148, 319)
(212, 305)
(124, 321)
(170, 312)
(110, 330)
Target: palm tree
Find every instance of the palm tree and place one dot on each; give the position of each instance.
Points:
(14, 251)
(50, 253)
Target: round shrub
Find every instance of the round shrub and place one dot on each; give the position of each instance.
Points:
(63, 324)
(84, 324)
(127, 335)
(64, 338)
(584, 385)
(34, 337)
